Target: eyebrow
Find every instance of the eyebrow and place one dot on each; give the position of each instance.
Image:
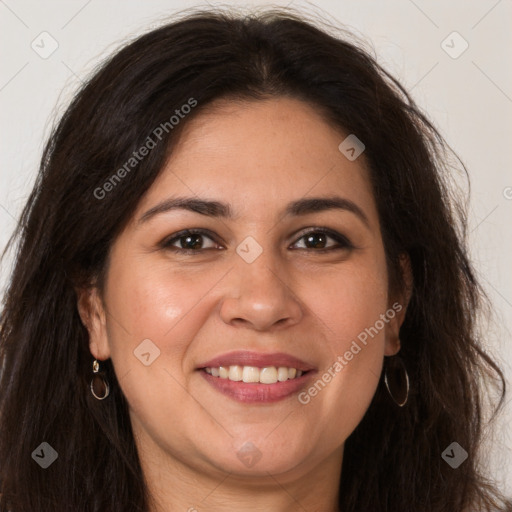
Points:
(219, 209)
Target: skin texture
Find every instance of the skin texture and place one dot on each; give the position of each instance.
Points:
(257, 156)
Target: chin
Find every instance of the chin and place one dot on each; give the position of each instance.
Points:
(259, 457)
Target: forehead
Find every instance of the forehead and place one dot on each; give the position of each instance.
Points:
(260, 155)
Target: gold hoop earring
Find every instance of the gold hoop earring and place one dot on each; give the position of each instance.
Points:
(397, 382)
(99, 384)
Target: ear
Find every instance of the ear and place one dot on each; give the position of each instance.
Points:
(92, 312)
(397, 308)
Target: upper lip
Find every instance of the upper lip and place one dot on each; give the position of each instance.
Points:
(262, 360)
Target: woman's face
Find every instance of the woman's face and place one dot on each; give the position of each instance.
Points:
(254, 284)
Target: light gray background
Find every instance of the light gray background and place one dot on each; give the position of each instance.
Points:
(468, 97)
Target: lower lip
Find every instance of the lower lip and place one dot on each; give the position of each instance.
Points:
(253, 392)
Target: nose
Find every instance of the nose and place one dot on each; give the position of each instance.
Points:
(260, 296)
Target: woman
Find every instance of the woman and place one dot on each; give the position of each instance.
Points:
(242, 284)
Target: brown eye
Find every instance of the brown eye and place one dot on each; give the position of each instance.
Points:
(189, 241)
(317, 240)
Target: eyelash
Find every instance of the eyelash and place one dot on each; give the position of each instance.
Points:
(343, 241)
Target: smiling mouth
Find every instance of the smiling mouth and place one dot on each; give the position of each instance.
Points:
(253, 385)
(254, 374)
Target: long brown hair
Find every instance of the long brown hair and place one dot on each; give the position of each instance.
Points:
(392, 461)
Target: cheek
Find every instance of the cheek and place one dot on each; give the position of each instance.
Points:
(157, 311)
(151, 300)
(349, 301)
(349, 304)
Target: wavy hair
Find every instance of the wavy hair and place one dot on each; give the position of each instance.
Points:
(392, 461)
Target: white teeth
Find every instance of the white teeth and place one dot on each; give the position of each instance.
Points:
(251, 374)
(282, 374)
(235, 373)
(267, 375)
